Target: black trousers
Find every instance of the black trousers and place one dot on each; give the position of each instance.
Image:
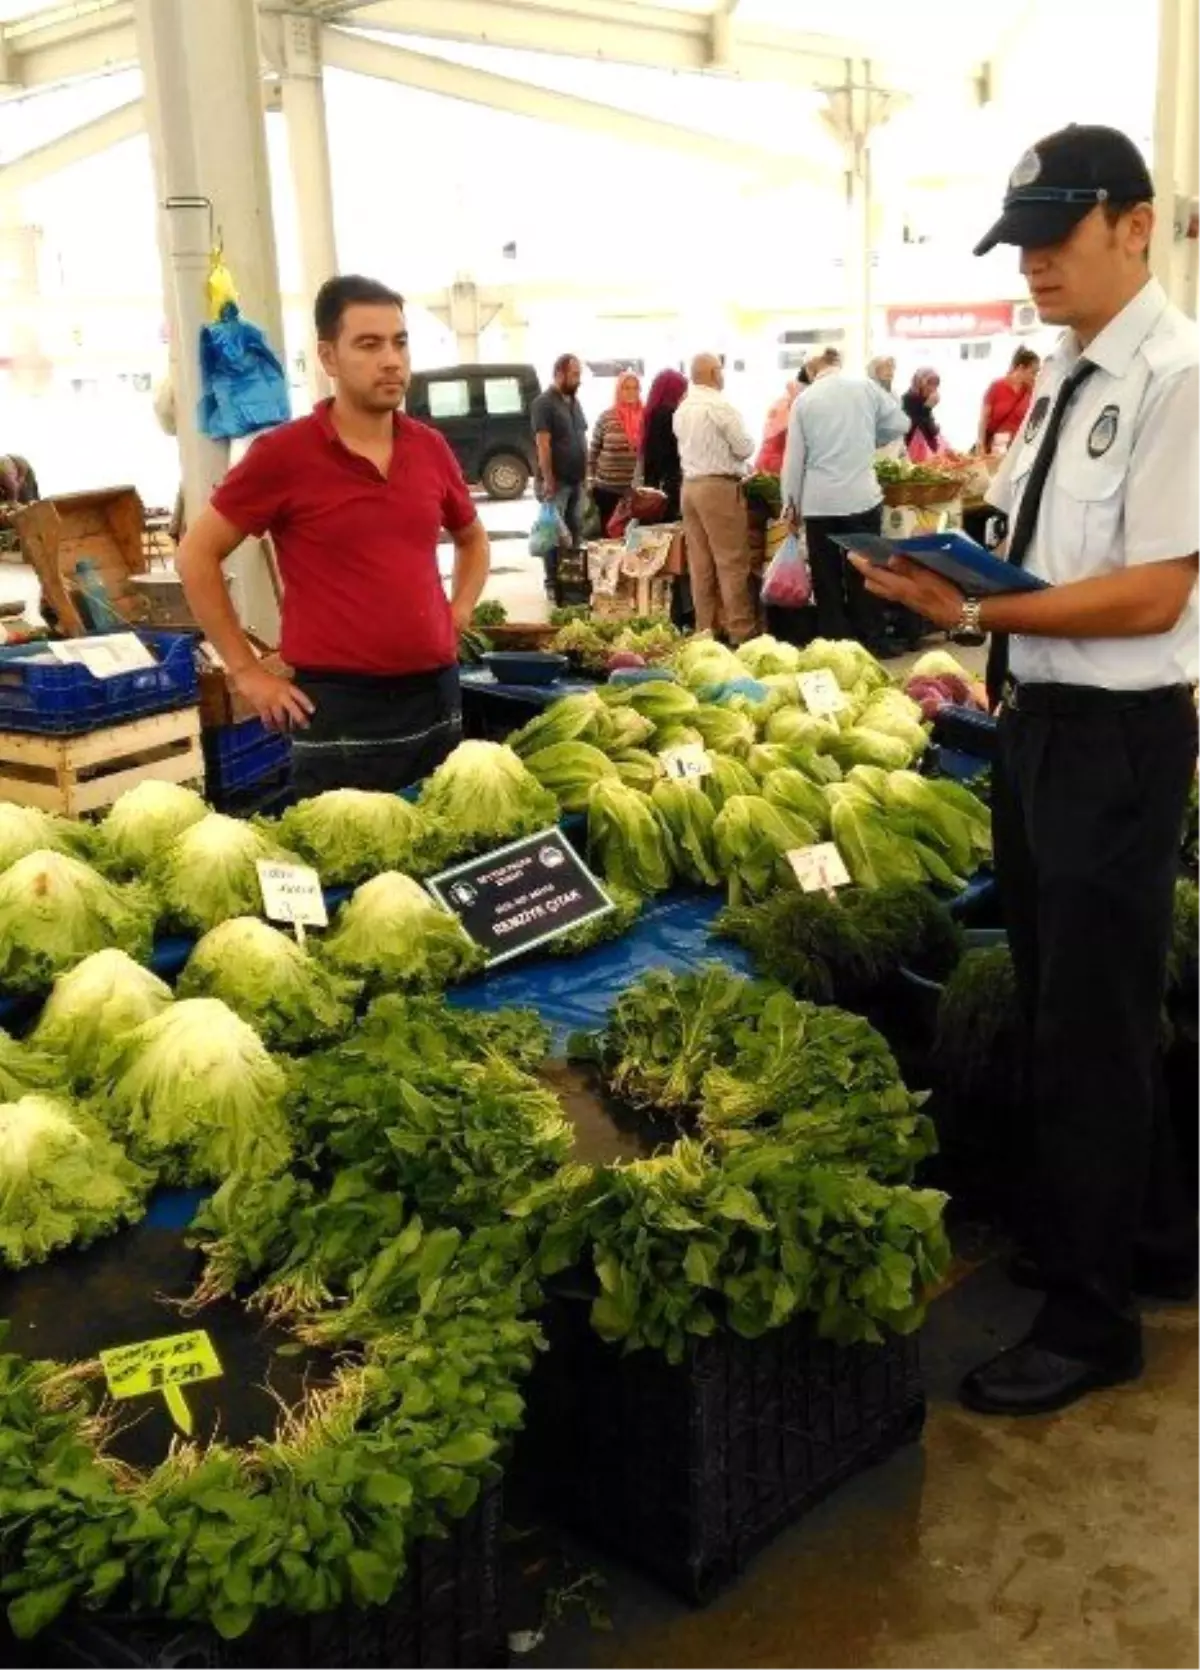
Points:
(845, 609)
(1088, 804)
(375, 733)
(606, 500)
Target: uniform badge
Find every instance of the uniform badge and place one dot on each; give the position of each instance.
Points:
(1037, 417)
(1104, 432)
(1026, 171)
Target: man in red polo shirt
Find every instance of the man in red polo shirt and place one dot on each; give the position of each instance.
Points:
(355, 497)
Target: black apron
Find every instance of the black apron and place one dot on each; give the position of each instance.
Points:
(368, 732)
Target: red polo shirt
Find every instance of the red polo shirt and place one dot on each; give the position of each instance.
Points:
(358, 554)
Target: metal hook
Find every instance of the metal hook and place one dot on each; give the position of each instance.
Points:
(214, 232)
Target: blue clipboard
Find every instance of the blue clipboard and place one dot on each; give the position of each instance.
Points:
(958, 559)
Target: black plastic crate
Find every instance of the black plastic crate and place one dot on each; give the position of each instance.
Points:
(686, 1471)
(447, 1612)
(269, 796)
(966, 731)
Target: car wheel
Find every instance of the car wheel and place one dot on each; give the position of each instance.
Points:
(505, 476)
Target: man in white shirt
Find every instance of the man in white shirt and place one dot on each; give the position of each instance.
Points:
(835, 429)
(1097, 750)
(713, 450)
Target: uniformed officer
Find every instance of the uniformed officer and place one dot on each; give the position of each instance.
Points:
(1097, 748)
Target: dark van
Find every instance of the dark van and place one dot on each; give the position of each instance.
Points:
(483, 411)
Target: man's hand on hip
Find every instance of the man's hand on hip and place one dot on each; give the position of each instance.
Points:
(276, 700)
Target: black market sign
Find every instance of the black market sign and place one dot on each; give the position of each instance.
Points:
(522, 895)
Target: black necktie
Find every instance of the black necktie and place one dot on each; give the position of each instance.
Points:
(1027, 514)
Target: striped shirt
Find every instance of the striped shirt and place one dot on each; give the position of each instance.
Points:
(611, 459)
(712, 437)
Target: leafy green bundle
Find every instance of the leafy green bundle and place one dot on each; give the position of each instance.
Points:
(349, 835)
(400, 1441)
(391, 934)
(482, 796)
(842, 949)
(25, 829)
(290, 998)
(143, 822)
(63, 1180)
(56, 910)
(209, 872)
(737, 1060)
(91, 1007)
(684, 1243)
(196, 1096)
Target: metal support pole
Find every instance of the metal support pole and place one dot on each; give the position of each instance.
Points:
(308, 149)
(200, 68)
(1176, 144)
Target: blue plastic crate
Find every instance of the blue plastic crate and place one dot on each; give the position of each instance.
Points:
(66, 697)
(238, 757)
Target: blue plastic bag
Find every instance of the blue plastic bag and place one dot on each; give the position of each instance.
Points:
(549, 532)
(244, 385)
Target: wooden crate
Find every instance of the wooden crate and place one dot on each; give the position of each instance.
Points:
(77, 774)
(105, 526)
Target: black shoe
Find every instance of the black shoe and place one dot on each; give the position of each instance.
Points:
(1029, 1380)
(1175, 1284)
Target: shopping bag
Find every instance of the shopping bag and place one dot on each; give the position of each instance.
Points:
(787, 583)
(640, 504)
(549, 532)
(590, 524)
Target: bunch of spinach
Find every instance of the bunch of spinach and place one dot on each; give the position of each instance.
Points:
(687, 1242)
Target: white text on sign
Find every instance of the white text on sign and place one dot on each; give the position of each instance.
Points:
(292, 893)
(821, 693)
(819, 869)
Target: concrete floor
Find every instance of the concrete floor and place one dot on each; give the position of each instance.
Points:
(1069, 1540)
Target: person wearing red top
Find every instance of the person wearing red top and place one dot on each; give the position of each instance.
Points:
(355, 497)
(1006, 403)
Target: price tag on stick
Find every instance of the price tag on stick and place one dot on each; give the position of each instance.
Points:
(163, 1365)
(821, 693)
(819, 869)
(292, 893)
(688, 762)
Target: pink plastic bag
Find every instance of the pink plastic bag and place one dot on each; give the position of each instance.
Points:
(787, 583)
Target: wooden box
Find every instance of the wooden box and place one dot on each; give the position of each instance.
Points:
(72, 775)
(106, 526)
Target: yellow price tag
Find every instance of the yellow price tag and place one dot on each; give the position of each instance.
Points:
(163, 1365)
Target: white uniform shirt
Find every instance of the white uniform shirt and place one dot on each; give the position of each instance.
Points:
(712, 437)
(835, 429)
(1123, 489)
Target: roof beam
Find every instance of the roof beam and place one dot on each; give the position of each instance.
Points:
(623, 31)
(345, 50)
(31, 167)
(46, 48)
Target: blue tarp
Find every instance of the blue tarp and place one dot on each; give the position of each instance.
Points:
(575, 993)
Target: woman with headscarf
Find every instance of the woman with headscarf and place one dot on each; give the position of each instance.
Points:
(616, 442)
(770, 454)
(924, 436)
(659, 461)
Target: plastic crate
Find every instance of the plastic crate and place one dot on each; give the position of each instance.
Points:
(446, 1612)
(263, 798)
(240, 756)
(687, 1470)
(66, 697)
(966, 731)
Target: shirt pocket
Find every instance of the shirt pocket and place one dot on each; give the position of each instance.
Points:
(1088, 533)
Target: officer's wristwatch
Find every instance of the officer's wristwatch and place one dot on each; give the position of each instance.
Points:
(969, 629)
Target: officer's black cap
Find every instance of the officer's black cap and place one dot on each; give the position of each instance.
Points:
(1062, 179)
